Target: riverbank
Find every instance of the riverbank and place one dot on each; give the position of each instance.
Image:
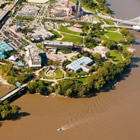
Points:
(4, 81)
(5, 88)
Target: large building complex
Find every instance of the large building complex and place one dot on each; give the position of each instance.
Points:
(58, 45)
(83, 63)
(33, 55)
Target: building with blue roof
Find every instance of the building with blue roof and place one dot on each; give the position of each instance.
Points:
(83, 63)
(4, 47)
(21, 64)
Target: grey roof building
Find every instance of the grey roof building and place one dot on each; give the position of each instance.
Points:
(80, 64)
(58, 44)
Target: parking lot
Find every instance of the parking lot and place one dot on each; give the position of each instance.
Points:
(28, 11)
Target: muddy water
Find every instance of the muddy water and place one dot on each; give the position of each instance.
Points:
(4, 89)
(113, 115)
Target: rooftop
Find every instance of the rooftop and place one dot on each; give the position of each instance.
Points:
(4, 47)
(58, 43)
(42, 33)
(79, 63)
(34, 53)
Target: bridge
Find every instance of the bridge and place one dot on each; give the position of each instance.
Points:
(134, 23)
(13, 93)
(116, 26)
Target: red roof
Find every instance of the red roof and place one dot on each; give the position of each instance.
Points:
(78, 25)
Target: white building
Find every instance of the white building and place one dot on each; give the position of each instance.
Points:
(34, 59)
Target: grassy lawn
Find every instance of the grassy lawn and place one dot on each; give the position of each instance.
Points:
(66, 30)
(109, 22)
(83, 80)
(65, 51)
(58, 72)
(103, 37)
(74, 57)
(76, 74)
(125, 47)
(73, 38)
(111, 29)
(56, 34)
(115, 36)
(115, 56)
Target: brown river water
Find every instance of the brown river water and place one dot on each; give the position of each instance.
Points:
(113, 115)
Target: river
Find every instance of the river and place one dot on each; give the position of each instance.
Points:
(113, 115)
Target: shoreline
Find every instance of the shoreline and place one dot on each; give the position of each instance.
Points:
(4, 82)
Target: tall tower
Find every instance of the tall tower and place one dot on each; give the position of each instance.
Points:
(68, 7)
(68, 4)
(76, 6)
(79, 7)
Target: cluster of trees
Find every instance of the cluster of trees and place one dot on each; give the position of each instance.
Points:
(14, 75)
(127, 35)
(96, 30)
(98, 59)
(7, 111)
(113, 45)
(65, 63)
(3, 4)
(90, 42)
(41, 87)
(105, 74)
(89, 3)
(110, 44)
(100, 4)
(103, 7)
(55, 63)
(70, 88)
(93, 38)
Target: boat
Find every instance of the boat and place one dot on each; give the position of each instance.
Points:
(59, 129)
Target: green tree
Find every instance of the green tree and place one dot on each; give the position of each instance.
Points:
(98, 59)
(68, 92)
(32, 87)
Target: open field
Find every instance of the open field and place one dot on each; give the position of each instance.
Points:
(66, 30)
(71, 38)
(56, 34)
(115, 36)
